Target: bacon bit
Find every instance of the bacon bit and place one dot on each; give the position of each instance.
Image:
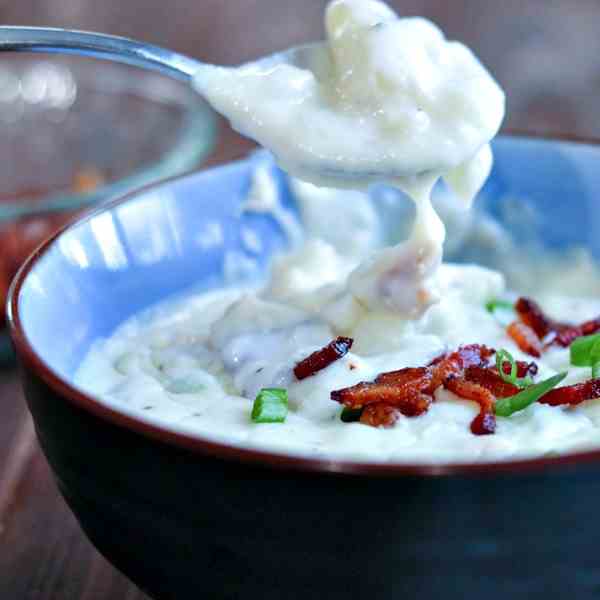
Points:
(408, 397)
(379, 415)
(572, 394)
(465, 372)
(364, 393)
(532, 315)
(525, 337)
(590, 327)
(567, 334)
(322, 358)
(491, 381)
(411, 390)
(466, 356)
(455, 363)
(485, 422)
(414, 403)
(403, 376)
(523, 368)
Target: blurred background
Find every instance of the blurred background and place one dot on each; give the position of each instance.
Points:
(544, 52)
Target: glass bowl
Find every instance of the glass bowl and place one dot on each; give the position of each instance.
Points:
(77, 131)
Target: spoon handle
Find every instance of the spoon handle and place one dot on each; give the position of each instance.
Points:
(98, 45)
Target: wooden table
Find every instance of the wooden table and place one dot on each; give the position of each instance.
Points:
(551, 85)
(43, 553)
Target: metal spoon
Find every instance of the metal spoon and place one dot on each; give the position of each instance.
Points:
(178, 66)
(131, 52)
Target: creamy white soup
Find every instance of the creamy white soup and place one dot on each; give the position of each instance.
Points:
(352, 349)
(197, 363)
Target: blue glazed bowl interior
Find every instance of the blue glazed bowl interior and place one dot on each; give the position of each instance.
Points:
(176, 236)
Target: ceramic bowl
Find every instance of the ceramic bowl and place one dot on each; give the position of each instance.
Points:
(185, 517)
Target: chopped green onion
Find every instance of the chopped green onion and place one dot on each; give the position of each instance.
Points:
(504, 356)
(585, 352)
(496, 304)
(270, 406)
(595, 357)
(507, 406)
(351, 415)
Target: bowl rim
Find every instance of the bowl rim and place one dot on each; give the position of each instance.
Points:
(29, 358)
(195, 139)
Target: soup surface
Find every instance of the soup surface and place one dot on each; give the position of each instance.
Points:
(197, 363)
(361, 344)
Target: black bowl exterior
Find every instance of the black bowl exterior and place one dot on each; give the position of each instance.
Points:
(187, 525)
